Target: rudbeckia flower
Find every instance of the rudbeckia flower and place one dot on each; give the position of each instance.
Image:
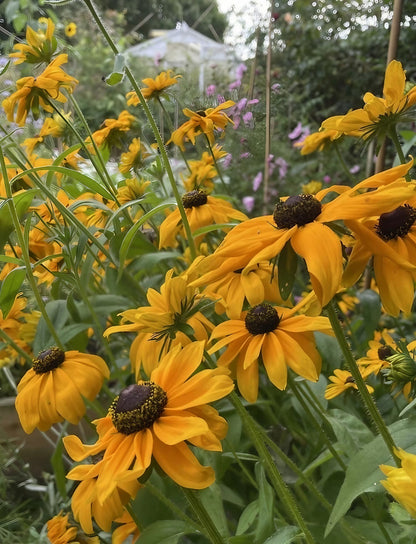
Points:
(53, 389)
(203, 171)
(157, 419)
(342, 380)
(317, 140)
(381, 347)
(70, 30)
(379, 115)
(154, 87)
(202, 122)
(86, 502)
(304, 221)
(171, 319)
(132, 189)
(391, 241)
(201, 210)
(401, 482)
(112, 131)
(232, 288)
(278, 338)
(60, 531)
(35, 92)
(40, 47)
(134, 157)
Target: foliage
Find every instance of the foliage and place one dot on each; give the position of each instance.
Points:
(203, 376)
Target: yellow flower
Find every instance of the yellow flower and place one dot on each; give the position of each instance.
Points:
(379, 115)
(343, 380)
(312, 187)
(40, 45)
(304, 221)
(382, 347)
(232, 288)
(49, 128)
(132, 189)
(53, 389)
(318, 140)
(202, 122)
(157, 419)
(87, 504)
(60, 531)
(278, 338)
(127, 527)
(391, 241)
(170, 320)
(203, 171)
(70, 30)
(35, 92)
(112, 131)
(154, 87)
(134, 157)
(401, 482)
(201, 210)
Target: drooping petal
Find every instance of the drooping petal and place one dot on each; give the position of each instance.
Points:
(248, 381)
(321, 249)
(171, 429)
(180, 464)
(274, 361)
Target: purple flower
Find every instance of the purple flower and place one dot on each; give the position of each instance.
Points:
(241, 68)
(248, 203)
(275, 87)
(220, 99)
(248, 118)
(210, 90)
(257, 181)
(245, 155)
(355, 169)
(234, 85)
(253, 101)
(326, 179)
(282, 165)
(227, 160)
(296, 132)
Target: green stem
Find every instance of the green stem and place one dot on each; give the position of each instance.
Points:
(206, 521)
(394, 137)
(280, 487)
(25, 253)
(224, 186)
(172, 506)
(172, 128)
(158, 137)
(132, 513)
(359, 381)
(343, 164)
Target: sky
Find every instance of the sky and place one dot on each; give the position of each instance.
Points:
(243, 15)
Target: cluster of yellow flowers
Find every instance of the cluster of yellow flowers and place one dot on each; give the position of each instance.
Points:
(241, 269)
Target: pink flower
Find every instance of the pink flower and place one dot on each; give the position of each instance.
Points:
(239, 73)
(210, 90)
(248, 118)
(234, 85)
(248, 203)
(257, 181)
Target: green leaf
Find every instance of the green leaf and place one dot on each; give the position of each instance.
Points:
(58, 314)
(350, 431)
(363, 473)
(247, 517)
(128, 238)
(5, 68)
(288, 262)
(165, 532)
(265, 524)
(284, 535)
(117, 74)
(22, 201)
(370, 310)
(10, 287)
(212, 500)
(59, 469)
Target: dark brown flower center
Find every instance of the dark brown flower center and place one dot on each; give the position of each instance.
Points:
(384, 352)
(193, 199)
(137, 407)
(296, 210)
(48, 360)
(350, 379)
(261, 319)
(397, 223)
